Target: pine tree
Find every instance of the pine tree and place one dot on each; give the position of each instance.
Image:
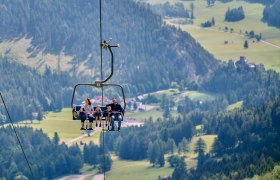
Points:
(200, 146)
(180, 171)
(56, 138)
(161, 161)
(166, 112)
(192, 10)
(246, 45)
(108, 163)
(135, 106)
(171, 145)
(213, 21)
(40, 116)
(200, 159)
(151, 153)
(208, 2)
(185, 147)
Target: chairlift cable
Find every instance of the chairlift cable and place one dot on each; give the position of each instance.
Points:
(101, 76)
(101, 49)
(23, 152)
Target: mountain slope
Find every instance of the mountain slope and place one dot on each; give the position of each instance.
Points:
(26, 91)
(148, 47)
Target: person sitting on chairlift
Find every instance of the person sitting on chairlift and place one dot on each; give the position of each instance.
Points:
(86, 112)
(108, 116)
(98, 115)
(117, 113)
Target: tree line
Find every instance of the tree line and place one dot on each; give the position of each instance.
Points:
(25, 90)
(47, 157)
(235, 14)
(167, 9)
(271, 14)
(265, 2)
(243, 81)
(247, 143)
(232, 82)
(152, 141)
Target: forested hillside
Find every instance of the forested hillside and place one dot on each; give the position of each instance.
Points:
(271, 14)
(26, 91)
(247, 143)
(254, 1)
(242, 81)
(267, 2)
(148, 46)
(47, 157)
(162, 136)
(235, 82)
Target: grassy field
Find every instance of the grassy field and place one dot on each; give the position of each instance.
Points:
(209, 140)
(123, 169)
(191, 156)
(62, 123)
(155, 114)
(136, 170)
(239, 104)
(212, 39)
(176, 95)
(195, 95)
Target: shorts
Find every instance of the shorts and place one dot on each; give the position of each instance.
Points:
(83, 117)
(97, 114)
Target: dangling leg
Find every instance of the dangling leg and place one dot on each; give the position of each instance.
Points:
(112, 122)
(119, 122)
(90, 122)
(96, 118)
(107, 122)
(99, 120)
(83, 118)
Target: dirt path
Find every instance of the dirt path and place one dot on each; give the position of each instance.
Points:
(98, 177)
(76, 177)
(78, 138)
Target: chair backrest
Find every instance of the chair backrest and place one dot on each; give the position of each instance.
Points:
(76, 109)
(103, 108)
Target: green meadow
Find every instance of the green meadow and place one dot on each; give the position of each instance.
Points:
(191, 156)
(177, 95)
(122, 169)
(236, 105)
(174, 94)
(213, 39)
(62, 123)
